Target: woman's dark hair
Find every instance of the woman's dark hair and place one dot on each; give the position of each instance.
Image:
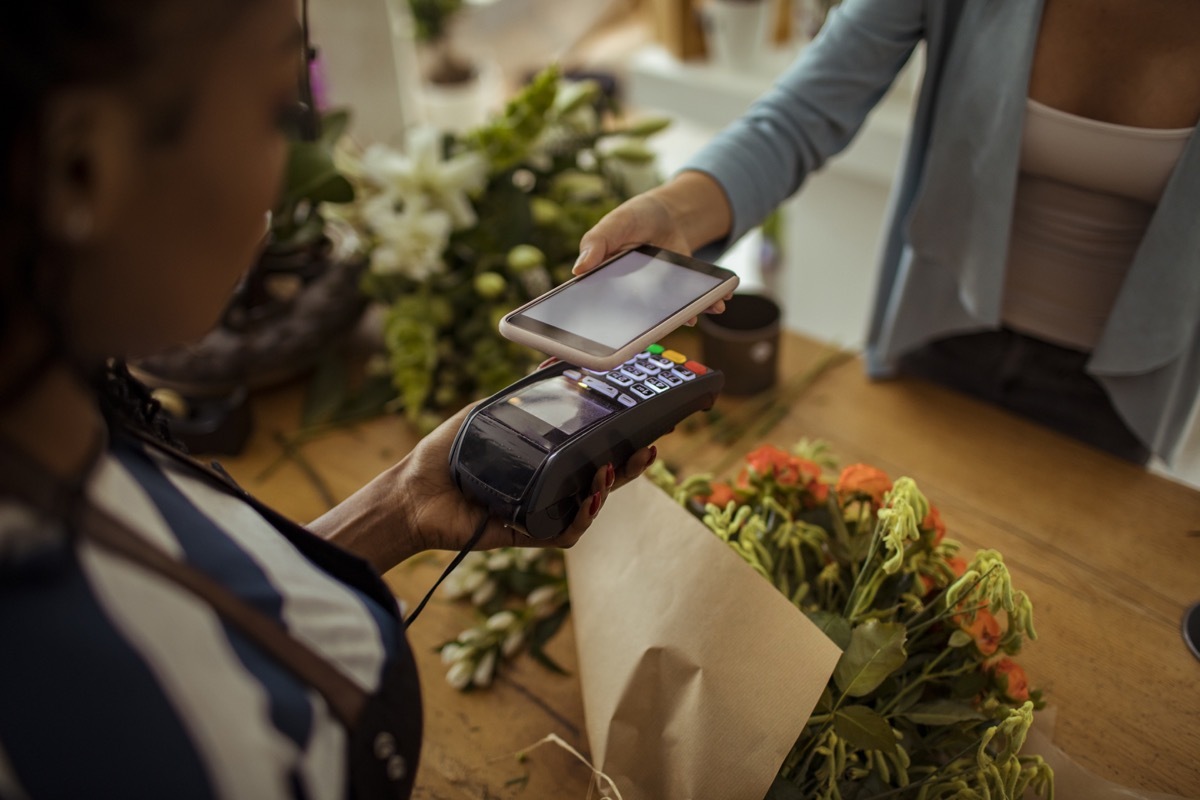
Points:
(47, 46)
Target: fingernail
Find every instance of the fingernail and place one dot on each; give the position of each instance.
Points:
(610, 475)
(653, 455)
(594, 509)
(583, 254)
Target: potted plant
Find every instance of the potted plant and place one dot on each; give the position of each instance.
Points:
(453, 86)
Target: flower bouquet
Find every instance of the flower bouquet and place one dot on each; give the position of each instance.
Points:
(797, 633)
(927, 694)
(463, 228)
(926, 698)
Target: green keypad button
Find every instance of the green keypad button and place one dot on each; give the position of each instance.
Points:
(655, 349)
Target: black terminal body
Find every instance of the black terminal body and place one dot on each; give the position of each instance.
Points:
(530, 452)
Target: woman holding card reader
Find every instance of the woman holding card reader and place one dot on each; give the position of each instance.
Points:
(1041, 250)
(166, 635)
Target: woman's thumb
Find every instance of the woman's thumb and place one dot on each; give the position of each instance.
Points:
(592, 250)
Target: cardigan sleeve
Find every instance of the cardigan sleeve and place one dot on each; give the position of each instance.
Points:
(813, 111)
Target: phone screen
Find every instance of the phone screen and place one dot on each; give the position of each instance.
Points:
(622, 300)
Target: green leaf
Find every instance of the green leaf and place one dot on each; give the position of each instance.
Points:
(326, 391)
(544, 629)
(825, 702)
(832, 625)
(864, 728)
(546, 661)
(333, 127)
(876, 650)
(312, 176)
(969, 685)
(942, 712)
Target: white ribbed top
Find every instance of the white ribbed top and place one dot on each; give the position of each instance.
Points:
(1085, 195)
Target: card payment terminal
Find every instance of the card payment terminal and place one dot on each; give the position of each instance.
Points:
(529, 453)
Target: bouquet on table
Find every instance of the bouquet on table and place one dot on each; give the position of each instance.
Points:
(796, 633)
(927, 695)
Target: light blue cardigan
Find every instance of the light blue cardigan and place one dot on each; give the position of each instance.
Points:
(942, 269)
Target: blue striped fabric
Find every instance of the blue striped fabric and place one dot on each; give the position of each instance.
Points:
(88, 708)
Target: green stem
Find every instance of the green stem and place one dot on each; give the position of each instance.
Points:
(924, 678)
(947, 611)
(853, 600)
(292, 452)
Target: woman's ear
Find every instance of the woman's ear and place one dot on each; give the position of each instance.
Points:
(89, 141)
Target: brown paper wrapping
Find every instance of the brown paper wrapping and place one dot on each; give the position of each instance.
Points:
(697, 674)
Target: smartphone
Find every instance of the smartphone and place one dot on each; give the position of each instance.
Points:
(605, 317)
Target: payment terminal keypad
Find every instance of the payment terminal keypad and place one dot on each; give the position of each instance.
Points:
(646, 375)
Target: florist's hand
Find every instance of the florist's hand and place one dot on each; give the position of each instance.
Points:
(442, 518)
(691, 208)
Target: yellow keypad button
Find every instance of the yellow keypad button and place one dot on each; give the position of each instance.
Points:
(672, 355)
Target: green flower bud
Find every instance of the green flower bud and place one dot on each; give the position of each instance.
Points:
(633, 153)
(525, 257)
(545, 212)
(490, 285)
(648, 126)
(580, 186)
(500, 621)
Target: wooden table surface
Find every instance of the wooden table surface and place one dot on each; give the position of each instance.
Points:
(1109, 554)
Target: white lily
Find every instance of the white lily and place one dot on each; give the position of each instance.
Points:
(421, 169)
(411, 241)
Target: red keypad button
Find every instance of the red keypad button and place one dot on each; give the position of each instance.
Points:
(696, 367)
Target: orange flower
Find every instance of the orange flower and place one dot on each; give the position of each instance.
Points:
(933, 522)
(1012, 680)
(786, 470)
(721, 494)
(984, 629)
(958, 565)
(864, 480)
(768, 460)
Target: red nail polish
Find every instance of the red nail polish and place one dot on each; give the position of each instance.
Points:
(653, 455)
(594, 509)
(610, 475)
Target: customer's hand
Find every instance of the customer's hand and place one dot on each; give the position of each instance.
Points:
(645, 219)
(415, 506)
(682, 215)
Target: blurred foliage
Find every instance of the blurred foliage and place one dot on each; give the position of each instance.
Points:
(461, 229)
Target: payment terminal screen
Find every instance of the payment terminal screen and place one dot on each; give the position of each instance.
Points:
(558, 403)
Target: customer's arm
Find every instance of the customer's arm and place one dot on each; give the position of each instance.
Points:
(813, 112)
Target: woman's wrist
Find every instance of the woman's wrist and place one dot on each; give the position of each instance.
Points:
(698, 207)
(375, 523)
